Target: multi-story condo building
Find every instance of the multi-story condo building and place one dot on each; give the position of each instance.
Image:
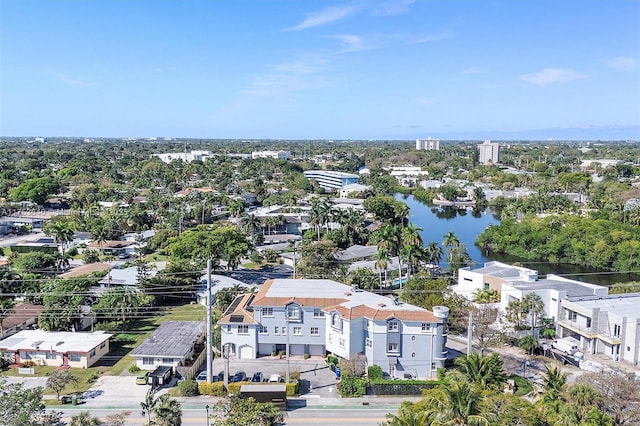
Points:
(428, 144)
(187, 157)
(331, 180)
(489, 152)
(608, 325)
(315, 316)
(278, 155)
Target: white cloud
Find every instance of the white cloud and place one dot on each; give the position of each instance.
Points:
(69, 80)
(433, 37)
(474, 70)
(392, 7)
(623, 63)
(552, 75)
(323, 17)
(350, 42)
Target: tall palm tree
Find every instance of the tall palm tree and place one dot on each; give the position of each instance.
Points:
(554, 382)
(62, 233)
(434, 253)
(450, 242)
(382, 263)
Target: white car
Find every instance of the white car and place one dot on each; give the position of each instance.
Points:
(274, 378)
(201, 377)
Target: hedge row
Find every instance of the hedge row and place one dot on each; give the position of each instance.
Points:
(217, 388)
(405, 387)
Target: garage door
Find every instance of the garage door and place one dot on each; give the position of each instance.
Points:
(246, 352)
(297, 349)
(316, 350)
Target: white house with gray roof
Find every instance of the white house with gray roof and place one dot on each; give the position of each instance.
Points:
(172, 344)
(314, 316)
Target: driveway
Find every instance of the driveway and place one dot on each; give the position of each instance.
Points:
(116, 392)
(27, 382)
(316, 378)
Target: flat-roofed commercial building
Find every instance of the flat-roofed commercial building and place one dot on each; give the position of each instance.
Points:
(331, 180)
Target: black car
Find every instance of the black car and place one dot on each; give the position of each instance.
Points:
(238, 377)
(257, 377)
(219, 377)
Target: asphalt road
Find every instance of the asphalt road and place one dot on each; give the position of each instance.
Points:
(366, 416)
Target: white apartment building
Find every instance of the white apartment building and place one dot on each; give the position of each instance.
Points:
(331, 180)
(428, 144)
(489, 152)
(187, 157)
(408, 176)
(278, 155)
(313, 316)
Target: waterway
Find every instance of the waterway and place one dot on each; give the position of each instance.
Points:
(468, 224)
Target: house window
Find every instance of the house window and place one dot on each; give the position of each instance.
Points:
(315, 331)
(573, 315)
(341, 342)
(413, 338)
(276, 330)
(167, 360)
(616, 330)
(413, 354)
(588, 322)
(426, 327)
(336, 322)
(393, 326)
(264, 330)
(229, 328)
(369, 343)
(467, 279)
(51, 355)
(392, 347)
(243, 329)
(433, 365)
(293, 312)
(318, 313)
(102, 345)
(297, 331)
(147, 361)
(75, 357)
(486, 286)
(284, 331)
(92, 353)
(267, 312)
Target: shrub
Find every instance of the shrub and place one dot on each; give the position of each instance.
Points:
(27, 364)
(374, 372)
(307, 356)
(134, 369)
(440, 373)
(350, 387)
(92, 378)
(293, 388)
(188, 388)
(213, 389)
(332, 359)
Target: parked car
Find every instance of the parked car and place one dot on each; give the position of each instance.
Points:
(274, 378)
(201, 377)
(238, 377)
(142, 378)
(219, 377)
(257, 377)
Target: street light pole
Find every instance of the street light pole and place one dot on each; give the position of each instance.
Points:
(209, 321)
(207, 408)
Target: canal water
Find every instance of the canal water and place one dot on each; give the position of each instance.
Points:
(437, 221)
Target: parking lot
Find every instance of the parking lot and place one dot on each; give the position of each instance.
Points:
(316, 378)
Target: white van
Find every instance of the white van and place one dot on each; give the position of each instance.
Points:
(568, 345)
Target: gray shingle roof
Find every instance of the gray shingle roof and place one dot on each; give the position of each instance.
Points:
(171, 339)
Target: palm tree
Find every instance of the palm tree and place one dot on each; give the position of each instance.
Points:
(382, 263)
(484, 371)
(408, 415)
(458, 403)
(553, 383)
(84, 419)
(252, 224)
(168, 411)
(434, 253)
(62, 232)
(450, 242)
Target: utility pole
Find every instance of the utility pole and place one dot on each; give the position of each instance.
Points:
(209, 321)
(286, 318)
(470, 334)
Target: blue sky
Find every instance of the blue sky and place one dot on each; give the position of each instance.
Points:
(309, 69)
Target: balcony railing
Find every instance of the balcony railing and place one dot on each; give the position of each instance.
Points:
(590, 332)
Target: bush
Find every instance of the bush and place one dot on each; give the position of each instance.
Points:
(134, 369)
(350, 387)
(374, 372)
(188, 388)
(293, 388)
(234, 388)
(27, 364)
(440, 373)
(307, 356)
(213, 389)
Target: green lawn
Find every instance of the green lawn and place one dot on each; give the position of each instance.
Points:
(121, 345)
